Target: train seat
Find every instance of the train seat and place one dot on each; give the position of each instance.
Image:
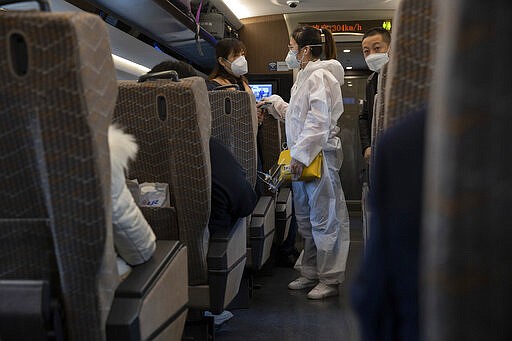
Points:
(58, 275)
(411, 65)
(376, 130)
(234, 124)
(468, 168)
(283, 214)
(379, 107)
(272, 138)
(171, 121)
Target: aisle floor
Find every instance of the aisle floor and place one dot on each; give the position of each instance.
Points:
(277, 313)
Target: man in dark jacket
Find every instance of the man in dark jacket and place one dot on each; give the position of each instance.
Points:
(375, 43)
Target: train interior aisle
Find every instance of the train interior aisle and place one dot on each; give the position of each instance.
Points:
(138, 198)
(277, 313)
(108, 48)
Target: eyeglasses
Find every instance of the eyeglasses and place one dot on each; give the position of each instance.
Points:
(290, 47)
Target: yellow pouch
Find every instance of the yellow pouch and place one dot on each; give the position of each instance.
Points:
(312, 172)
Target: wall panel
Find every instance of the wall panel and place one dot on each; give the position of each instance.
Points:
(266, 39)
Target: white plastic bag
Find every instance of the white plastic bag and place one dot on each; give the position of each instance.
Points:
(154, 194)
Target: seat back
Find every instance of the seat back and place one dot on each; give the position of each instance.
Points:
(379, 108)
(171, 122)
(57, 95)
(270, 137)
(410, 67)
(467, 235)
(234, 124)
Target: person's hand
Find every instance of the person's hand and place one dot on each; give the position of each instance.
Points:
(367, 154)
(278, 107)
(296, 168)
(261, 115)
(260, 112)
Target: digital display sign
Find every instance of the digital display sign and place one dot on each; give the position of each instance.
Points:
(356, 26)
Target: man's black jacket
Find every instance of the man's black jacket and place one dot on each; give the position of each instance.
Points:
(366, 116)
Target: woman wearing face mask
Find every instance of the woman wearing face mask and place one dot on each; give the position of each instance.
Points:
(311, 120)
(230, 69)
(231, 65)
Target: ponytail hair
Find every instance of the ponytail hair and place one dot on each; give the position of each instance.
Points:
(309, 35)
(330, 45)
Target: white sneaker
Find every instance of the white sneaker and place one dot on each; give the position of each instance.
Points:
(301, 283)
(220, 318)
(322, 291)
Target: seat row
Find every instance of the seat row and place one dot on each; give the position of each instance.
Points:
(458, 247)
(57, 261)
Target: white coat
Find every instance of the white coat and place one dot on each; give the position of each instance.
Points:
(311, 119)
(133, 238)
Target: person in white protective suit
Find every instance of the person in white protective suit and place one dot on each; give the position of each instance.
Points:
(311, 119)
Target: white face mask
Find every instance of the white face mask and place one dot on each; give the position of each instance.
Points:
(376, 61)
(239, 66)
(291, 60)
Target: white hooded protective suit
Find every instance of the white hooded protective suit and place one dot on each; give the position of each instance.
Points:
(311, 117)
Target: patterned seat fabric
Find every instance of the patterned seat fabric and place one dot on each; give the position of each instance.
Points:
(55, 205)
(234, 124)
(270, 137)
(411, 65)
(467, 245)
(171, 122)
(378, 110)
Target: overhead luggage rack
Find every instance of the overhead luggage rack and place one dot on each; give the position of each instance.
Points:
(168, 28)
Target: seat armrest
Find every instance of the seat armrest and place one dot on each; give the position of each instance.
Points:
(262, 206)
(227, 254)
(143, 276)
(284, 197)
(27, 310)
(283, 215)
(261, 231)
(224, 250)
(153, 300)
